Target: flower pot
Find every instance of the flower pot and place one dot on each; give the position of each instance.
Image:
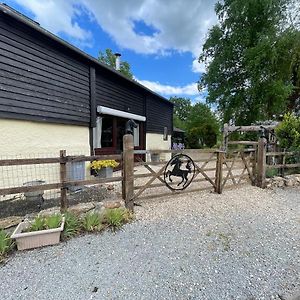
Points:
(35, 239)
(155, 157)
(36, 195)
(105, 172)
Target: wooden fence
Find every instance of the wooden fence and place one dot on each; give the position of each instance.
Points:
(214, 170)
(63, 184)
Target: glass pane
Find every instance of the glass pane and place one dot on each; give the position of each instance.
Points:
(107, 132)
(136, 136)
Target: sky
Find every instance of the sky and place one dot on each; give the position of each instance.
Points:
(160, 39)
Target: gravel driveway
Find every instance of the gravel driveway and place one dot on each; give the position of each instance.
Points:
(243, 244)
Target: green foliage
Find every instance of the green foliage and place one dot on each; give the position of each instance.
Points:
(202, 127)
(271, 172)
(42, 223)
(53, 221)
(109, 59)
(6, 243)
(92, 222)
(37, 224)
(116, 217)
(182, 109)
(72, 225)
(288, 132)
(253, 60)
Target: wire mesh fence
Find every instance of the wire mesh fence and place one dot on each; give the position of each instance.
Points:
(32, 182)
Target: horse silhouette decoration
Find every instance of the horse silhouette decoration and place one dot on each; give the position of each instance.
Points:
(182, 166)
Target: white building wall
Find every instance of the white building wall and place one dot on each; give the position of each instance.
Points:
(155, 141)
(26, 139)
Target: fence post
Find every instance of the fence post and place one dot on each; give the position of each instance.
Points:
(219, 172)
(261, 162)
(63, 179)
(128, 165)
(225, 137)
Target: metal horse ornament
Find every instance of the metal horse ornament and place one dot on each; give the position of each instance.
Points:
(182, 166)
(130, 124)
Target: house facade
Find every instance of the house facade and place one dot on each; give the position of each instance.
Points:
(54, 96)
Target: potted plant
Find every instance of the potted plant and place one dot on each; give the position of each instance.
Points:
(103, 168)
(42, 231)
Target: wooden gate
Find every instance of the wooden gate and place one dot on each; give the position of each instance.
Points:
(214, 170)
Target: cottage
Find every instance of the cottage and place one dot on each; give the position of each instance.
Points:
(54, 96)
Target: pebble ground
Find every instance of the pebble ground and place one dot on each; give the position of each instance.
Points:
(243, 244)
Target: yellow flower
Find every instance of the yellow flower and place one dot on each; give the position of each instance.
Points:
(99, 164)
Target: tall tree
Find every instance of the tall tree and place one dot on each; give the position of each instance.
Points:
(109, 59)
(252, 61)
(182, 109)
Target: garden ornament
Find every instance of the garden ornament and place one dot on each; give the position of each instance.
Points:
(181, 166)
(130, 124)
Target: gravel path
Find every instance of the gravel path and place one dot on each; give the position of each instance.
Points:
(243, 244)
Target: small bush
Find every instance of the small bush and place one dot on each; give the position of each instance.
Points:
(92, 222)
(72, 225)
(37, 224)
(271, 172)
(6, 243)
(53, 221)
(116, 217)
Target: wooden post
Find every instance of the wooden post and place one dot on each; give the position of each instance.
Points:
(254, 166)
(128, 165)
(219, 172)
(63, 179)
(225, 137)
(261, 162)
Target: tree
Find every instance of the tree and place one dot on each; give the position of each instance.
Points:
(202, 127)
(109, 59)
(252, 59)
(182, 107)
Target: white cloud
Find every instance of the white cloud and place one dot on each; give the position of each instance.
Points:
(168, 90)
(181, 25)
(58, 17)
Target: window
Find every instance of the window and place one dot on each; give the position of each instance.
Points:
(165, 133)
(136, 136)
(107, 132)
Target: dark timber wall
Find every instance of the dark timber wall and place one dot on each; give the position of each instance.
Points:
(43, 80)
(159, 115)
(40, 80)
(118, 93)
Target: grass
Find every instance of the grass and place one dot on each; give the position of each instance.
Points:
(72, 225)
(92, 222)
(115, 218)
(6, 244)
(53, 221)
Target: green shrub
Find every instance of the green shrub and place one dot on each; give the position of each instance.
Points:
(6, 243)
(116, 217)
(271, 172)
(288, 132)
(37, 224)
(92, 222)
(53, 221)
(72, 225)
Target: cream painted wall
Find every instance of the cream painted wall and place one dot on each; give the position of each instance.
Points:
(154, 141)
(26, 139)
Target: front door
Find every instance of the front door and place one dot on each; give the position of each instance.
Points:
(110, 135)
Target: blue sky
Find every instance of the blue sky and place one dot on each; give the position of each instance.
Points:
(160, 39)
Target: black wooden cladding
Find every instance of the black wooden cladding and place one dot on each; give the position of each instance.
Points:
(159, 115)
(39, 81)
(118, 94)
(43, 80)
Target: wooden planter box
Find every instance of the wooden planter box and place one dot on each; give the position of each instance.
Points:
(35, 239)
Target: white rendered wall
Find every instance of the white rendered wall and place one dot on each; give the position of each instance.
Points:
(155, 141)
(26, 139)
